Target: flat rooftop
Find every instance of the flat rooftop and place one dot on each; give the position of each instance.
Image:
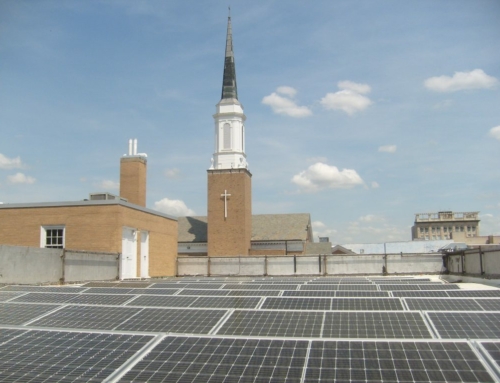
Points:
(281, 329)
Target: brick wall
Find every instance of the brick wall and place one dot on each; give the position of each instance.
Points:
(229, 236)
(133, 179)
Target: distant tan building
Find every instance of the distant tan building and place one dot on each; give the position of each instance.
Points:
(445, 225)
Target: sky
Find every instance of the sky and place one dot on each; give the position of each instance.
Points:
(361, 113)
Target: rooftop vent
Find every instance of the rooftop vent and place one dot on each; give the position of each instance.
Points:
(104, 196)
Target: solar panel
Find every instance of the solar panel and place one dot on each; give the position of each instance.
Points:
(361, 294)
(44, 298)
(307, 293)
(489, 304)
(398, 287)
(285, 303)
(100, 284)
(7, 334)
(358, 287)
(55, 356)
(160, 301)
(421, 294)
(205, 286)
(182, 359)
(17, 314)
(273, 323)
(439, 287)
(202, 292)
(169, 285)
(254, 293)
(8, 295)
(45, 289)
(367, 304)
(106, 290)
(173, 320)
(134, 285)
(87, 317)
(372, 361)
(442, 304)
(380, 325)
(100, 299)
(474, 293)
(493, 349)
(460, 325)
(278, 287)
(328, 287)
(227, 302)
(233, 286)
(153, 291)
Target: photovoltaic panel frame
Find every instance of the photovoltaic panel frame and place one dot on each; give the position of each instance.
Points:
(466, 325)
(87, 317)
(191, 359)
(185, 321)
(273, 323)
(392, 361)
(375, 325)
(367, 304)
(442, 304)
(56, 356)
(20, 313)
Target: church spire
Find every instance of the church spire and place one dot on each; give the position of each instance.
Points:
(229, 88)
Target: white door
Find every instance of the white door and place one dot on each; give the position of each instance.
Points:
(144, 254)
(128, 262)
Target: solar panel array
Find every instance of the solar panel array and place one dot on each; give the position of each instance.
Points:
(317, 329)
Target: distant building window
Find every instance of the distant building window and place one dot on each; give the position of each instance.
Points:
(52, 237)
(461, 228)
(445, 229)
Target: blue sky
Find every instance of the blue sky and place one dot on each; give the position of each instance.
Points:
(361, 113)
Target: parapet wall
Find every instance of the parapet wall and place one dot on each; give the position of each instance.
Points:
(32, 265)
(310, 265)
(475, 262)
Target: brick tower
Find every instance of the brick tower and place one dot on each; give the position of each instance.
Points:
(229, 180)
(133, 168)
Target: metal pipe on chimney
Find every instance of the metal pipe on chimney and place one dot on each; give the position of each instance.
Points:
(130, 147)
(135, 147)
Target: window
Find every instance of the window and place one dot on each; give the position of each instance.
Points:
(52, 237)
(226, 134)
(445, 229)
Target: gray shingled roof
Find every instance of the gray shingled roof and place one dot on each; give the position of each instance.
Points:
(265, 227)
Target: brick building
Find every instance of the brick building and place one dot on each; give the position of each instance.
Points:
(146, 239)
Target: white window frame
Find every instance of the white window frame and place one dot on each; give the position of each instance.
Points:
(43, 236)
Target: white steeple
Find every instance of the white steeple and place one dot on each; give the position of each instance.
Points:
(229, 117)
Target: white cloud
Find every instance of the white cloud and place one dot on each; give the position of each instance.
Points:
(284, 104)
(387, 148)
(371, 218)
(495, 132)
(318, 224)
(172, 173)
(175, 207)
(322, 176)
(20, 178)
(10, 163)
(490, 224)
(107, 185)
(355, 87)
(475, 79)
(287, 91)
(349, 99)
(375, 185)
